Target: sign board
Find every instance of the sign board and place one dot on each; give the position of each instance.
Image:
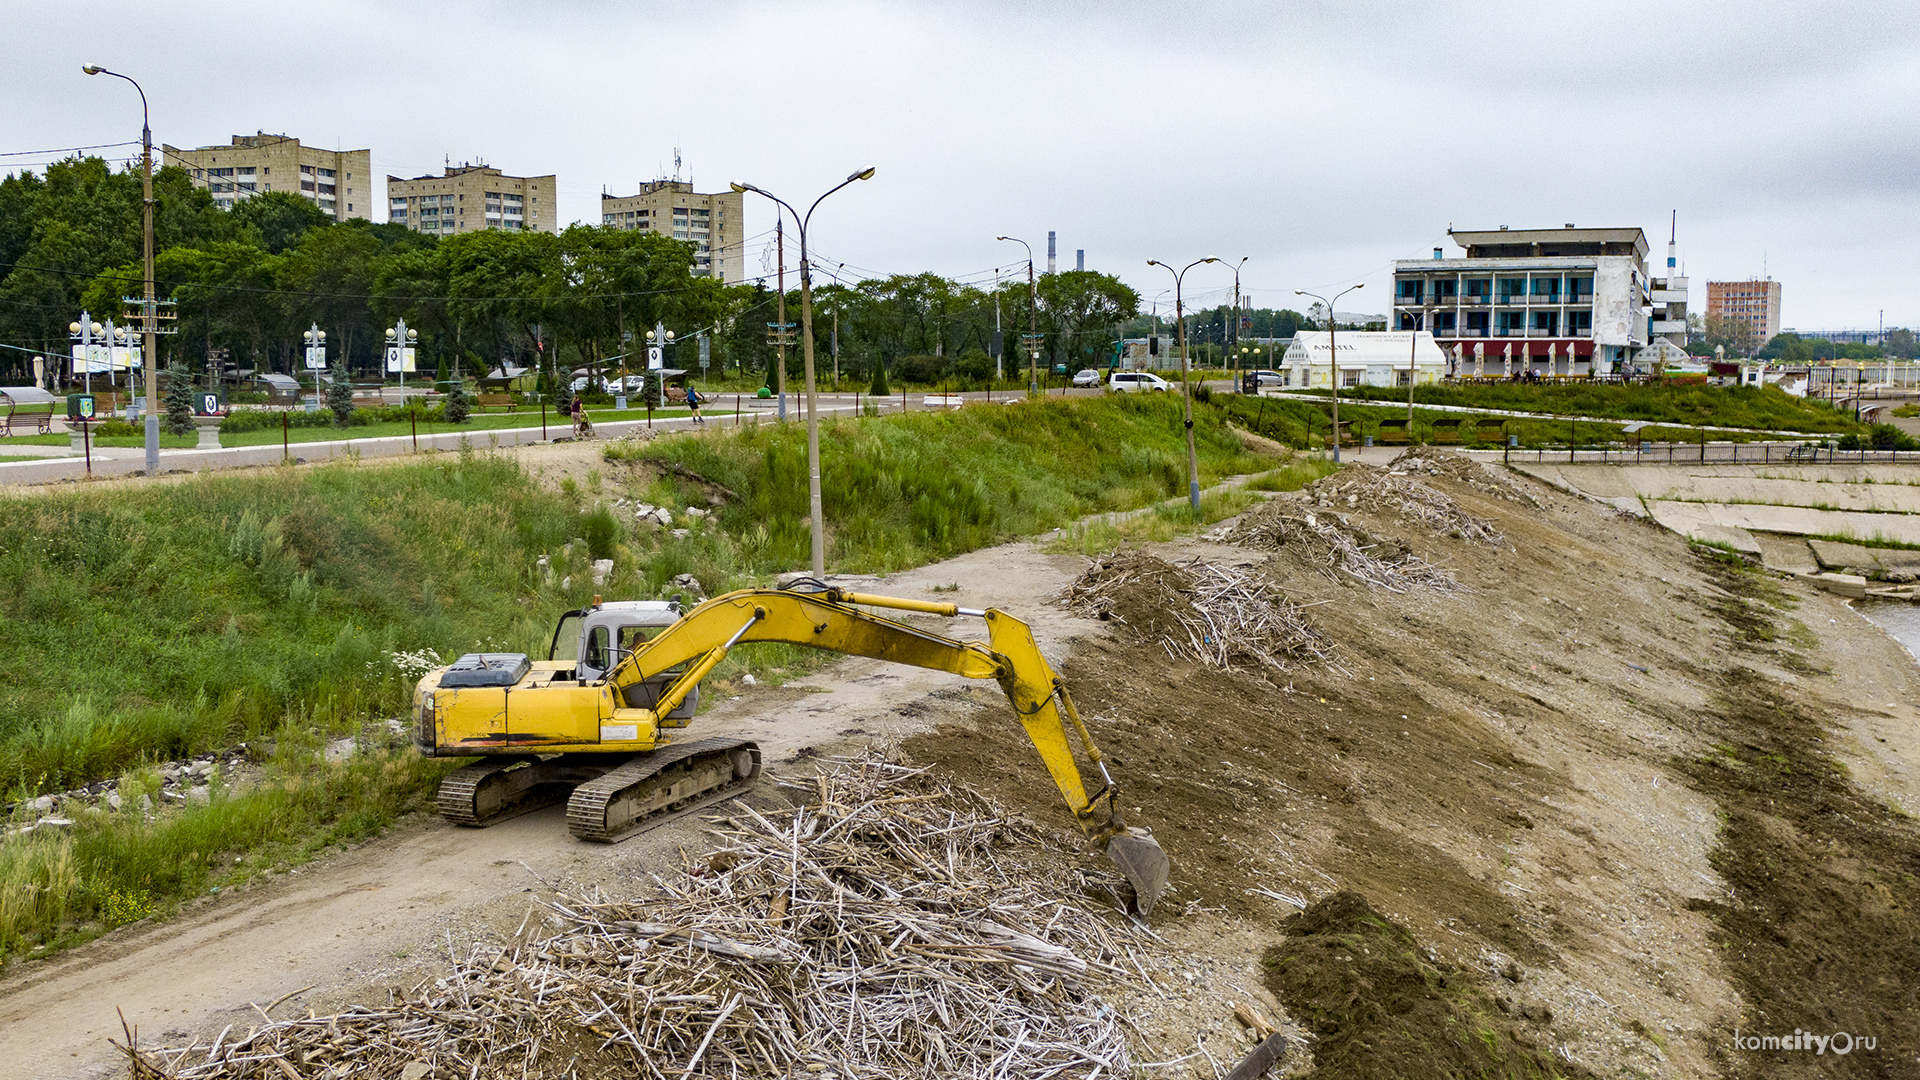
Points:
(210, 402)
(79, 406)
(399, 359)
(706, 352)
(100, 359)
(316, 357)
(654, 356)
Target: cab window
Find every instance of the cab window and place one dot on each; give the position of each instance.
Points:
(566, 639)
(596, 656)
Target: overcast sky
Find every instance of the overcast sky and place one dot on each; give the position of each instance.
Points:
(1322, 140)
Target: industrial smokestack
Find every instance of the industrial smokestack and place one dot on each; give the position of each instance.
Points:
(1672, 238)
(1050, 251)
(1079, 258)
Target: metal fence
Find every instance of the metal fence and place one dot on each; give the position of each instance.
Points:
(1705, 453)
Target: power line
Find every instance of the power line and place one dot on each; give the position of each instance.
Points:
(67, 149)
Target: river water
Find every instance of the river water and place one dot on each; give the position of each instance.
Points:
(1900, 619)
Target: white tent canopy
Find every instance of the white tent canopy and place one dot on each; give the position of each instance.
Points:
(26, 395)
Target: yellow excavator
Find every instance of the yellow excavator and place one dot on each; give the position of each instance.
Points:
(593, 722)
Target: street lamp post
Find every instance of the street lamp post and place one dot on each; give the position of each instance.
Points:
(1186, 387)
(1333, 356)
(400, 338)
(1033, 319)
(806, 351)
(86, 331)
(147, 309)
(316, 358)
(1227, 346)
(1426, 313)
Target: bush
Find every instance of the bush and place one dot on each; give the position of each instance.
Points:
(880, 387)
(920, 369)
(115, 429)
(974, 366)
(340, 395)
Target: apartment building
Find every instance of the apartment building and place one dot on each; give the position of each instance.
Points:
(712, 223)
(468, 198)
(1757, 303)
(1561, 301)
(340, 182)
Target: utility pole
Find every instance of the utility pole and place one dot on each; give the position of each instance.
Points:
(780, 377)
(1033, 319)
(999, 340)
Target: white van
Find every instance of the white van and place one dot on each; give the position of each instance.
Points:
(1137, 380)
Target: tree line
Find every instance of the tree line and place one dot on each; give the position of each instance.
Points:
(250, 280)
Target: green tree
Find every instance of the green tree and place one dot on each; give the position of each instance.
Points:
(340, 393)
(179, 399)
(457, 403)
(276, 220)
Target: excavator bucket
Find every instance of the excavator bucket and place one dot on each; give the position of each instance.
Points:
(1139, 857)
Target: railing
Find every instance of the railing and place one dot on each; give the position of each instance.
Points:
(1695, 453)
(1476, 300)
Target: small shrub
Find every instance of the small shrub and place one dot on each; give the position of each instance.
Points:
(179, 400)
(457, 405)
(340, 395)
(601, 530)
(115, 429)
(880, 387)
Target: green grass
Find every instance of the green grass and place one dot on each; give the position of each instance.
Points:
(918, 487)
(1725, 406)
(556, 423)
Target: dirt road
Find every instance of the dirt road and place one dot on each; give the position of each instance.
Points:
(383, 914)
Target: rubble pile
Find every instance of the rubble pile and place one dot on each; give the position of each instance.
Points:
(189, 780)
(1198, 611)
(1334, 545)
(1408, 500)
(875, 932)
(1498, 484)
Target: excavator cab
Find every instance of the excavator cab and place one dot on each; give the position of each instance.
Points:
(596, 639)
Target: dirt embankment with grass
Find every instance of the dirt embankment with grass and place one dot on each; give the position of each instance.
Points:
(1567, 798)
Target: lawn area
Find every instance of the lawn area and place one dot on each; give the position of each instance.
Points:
(1726, 406)
(493, 421)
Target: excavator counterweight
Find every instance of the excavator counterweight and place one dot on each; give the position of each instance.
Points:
(593, 723)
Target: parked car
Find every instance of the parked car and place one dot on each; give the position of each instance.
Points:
(1252, 382)
(1135, 381)
(1087, 378)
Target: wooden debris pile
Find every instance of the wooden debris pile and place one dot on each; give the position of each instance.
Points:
(1215, 615)
(1431, 462)
(1381, 491)
(879, 932)
(1334, 547)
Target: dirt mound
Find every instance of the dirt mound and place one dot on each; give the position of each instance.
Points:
(1382, 1006)
(1198, 611)
(1428, 461)
(882, 930)
(1330, 543)
(1397, 494)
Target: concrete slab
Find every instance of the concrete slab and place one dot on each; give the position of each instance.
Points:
(1850, 586)
(1788, 554)
(1790, 520)
(1833, 555)
(1738, 539)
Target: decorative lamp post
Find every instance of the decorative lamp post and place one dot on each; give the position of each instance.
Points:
(1186, 387)
(316, 357)
(806, 346)
(1333, 355)
(400, 342)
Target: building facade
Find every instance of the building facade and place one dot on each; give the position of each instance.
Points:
(1756, 303)
(1367, 358)
(1566, 301)
(469, 198)
(339, 182)
(712, 223)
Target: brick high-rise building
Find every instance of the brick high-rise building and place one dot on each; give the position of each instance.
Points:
(340, 182)
(1756, 303)
(672, 208)
(468, 198)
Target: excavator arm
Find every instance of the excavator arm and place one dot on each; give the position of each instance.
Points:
(833, 619)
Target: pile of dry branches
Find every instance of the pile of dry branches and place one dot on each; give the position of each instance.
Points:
(876, 933)
(1198, 611)
(1500, 484)
(1333, 545)
(1363, 487)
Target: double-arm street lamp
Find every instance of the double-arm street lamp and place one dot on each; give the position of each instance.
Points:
(1186, 388)
(806, 346)
(1033, 319)
(1333, 356)
(1226, 347)
(147, 309)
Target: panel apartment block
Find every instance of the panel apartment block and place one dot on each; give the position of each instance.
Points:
(468, 198)
(340, 182)
(1755, 302)
(712, 223)
(1554, 301)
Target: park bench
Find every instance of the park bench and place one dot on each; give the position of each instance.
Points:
(488, 401)
(17, 423)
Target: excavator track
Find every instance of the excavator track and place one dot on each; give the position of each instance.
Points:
(609, 807)
(494, 790)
